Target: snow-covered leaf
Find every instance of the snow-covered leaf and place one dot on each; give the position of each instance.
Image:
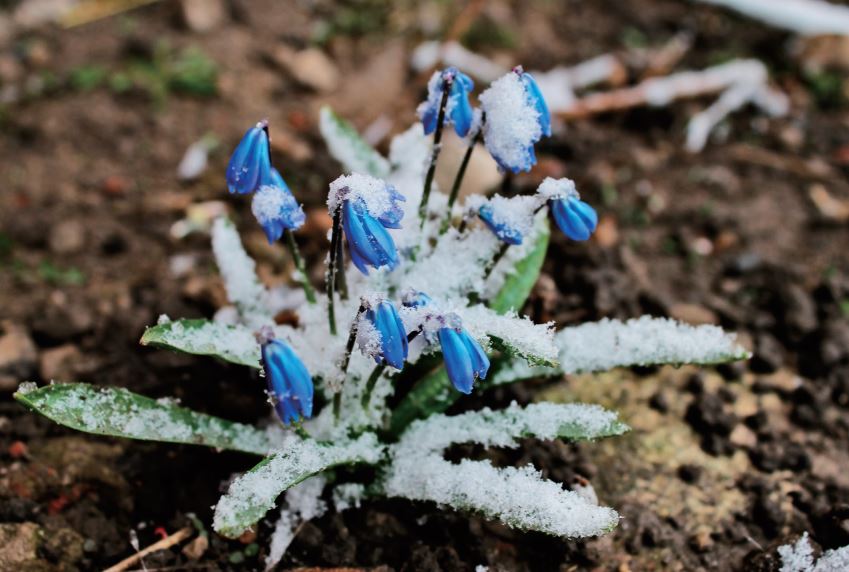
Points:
(235, 344)
(511, 334)
(253, 494)
(238, 270)
(121, 413)
(599, 346)
(518, 497)
(347, 147)
(518, 285)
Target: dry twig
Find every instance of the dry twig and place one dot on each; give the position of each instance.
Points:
(163, 544)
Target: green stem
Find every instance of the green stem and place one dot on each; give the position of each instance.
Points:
(301, 267)
(503, 250)
(437, 139)
(372, 381)
(458, 181)
(335, 238)
(299, 429)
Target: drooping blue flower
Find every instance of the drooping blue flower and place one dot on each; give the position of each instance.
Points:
(465, 360)
(576, 219)
(393, 346)
(517, 117)
(458, 110)
(275, 208)
(250, 163)
(289, 383)
(368, 241)
(415, 299)
(391, 217)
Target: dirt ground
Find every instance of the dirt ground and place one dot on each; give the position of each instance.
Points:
(723, 466)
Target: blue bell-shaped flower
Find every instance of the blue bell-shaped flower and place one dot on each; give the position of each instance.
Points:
(275, 208)
(250, 164)
(576, 219)
(289, 383)
(415, 299)
(465, 360)
(393, 337)
(501, 228)
(391, 217)
(458, 110)
(534, 95)
(368, 241)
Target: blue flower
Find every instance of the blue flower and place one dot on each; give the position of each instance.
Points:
(575, 218)
(415, 299)
(368, 241)
(289, 383)
(393, 337)
(465, 360)
(275, 208)
(536, 99)
(458, 109)
(250, 164)
(501, 228)
(391, 217)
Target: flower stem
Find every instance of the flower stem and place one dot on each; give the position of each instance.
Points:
(372, 381)
(341, 279)
(458, 181)
(352, 338)
(335, 238)
(301, 267)
(503, 250)
(299, 429)
(437, 139)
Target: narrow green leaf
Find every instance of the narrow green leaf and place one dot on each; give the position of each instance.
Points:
(347, 147)
(253, 494)
(235, 344)
(433, 393)
(518, 285)
(121, 413)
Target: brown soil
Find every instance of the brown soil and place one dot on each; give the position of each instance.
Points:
(723, 466)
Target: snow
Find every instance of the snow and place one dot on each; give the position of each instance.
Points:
(519, 497)
(552, 188)
(373, 192)
(232, 343)
(346, 146)
(516, 213)
(808, 17)
(238, 270)
(799, 557)
(535, 342)
(272, 203)
(368, 337)
(348, 495)
(512, 122)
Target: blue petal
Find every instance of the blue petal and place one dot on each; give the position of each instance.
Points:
(415, 299)
(275, 179)
(575, 218)
(458, 362)
(538, 101)
(480, 361)
(461, 114)
(358, 261)
(250, 163)
(504, 232)
(393, 338)
(273, 230)
(429, 118)
(392, 217)
(367, 237)
(288, 380)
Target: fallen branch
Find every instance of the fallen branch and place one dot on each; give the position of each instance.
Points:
(806, 17)
(163, 544)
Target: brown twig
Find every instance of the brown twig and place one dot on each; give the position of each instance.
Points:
(163, 544)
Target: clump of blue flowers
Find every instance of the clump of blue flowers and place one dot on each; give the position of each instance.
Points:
(425, 313)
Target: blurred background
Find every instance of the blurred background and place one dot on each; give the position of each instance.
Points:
(723, 201)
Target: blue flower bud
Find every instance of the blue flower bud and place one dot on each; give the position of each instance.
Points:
(458, 110)
(250, 164)
(465, 360)
(576, 219)
(501, 228)
(289, 383)
(368, 241)
(393, 337)
(276, 209)
(415, 299)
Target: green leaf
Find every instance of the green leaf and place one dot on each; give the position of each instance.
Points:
(347, 147)
(432, 394)
(121, 413)
(235, 344)
(518, 285)
(509, 349)
(253, 494)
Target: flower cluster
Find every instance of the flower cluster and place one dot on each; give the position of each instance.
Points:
(250, 170)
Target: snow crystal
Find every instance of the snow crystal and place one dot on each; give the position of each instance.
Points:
(27, 387)
(607, 344)
(232, 343)
(518, 497)
(239, 273)
(515, 213)
(368, 337)
(374, 193)
(552, 188)
(348, 495)
(251, 495)
(512, 122)
(303, 503)
(272, 203)
(799, 557)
